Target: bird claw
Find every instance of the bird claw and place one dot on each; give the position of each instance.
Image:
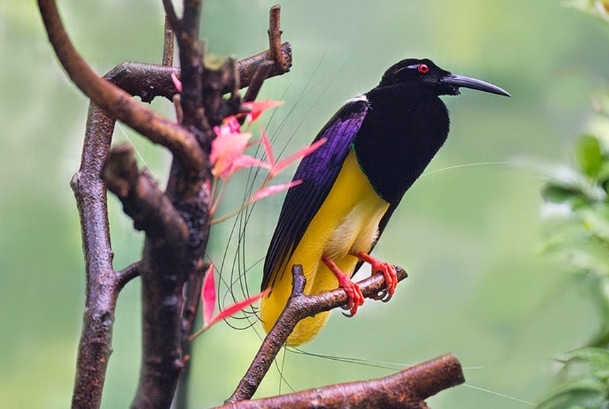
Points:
(382, 296)
(354, 293)
(349, 314)
(356, 298)
(387, 297)
(388, 270)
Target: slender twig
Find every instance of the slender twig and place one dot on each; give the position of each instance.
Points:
(249, 66)
(261, 74)
(274, 33)
(192, 296)
(299, 306)
(170, 13)
(168, 43)
(127, 274)
(406, 389)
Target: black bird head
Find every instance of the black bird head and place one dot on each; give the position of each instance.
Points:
(427, 74)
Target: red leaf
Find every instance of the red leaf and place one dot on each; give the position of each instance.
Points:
(208, 295)
(282, 164)
(268, 148)
(235, 308)
(271, 190)
(245, 161)
(258, 107)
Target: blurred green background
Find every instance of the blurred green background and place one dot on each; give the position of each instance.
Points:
(468, 231)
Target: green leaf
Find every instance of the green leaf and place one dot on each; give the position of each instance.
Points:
(585, 394)
(589, 155)
(597, 359)
(596, 221)
(559, 193)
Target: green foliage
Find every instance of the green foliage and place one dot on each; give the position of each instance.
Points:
(586, 376)
(577, 204)
(577, 201)
(579, 233)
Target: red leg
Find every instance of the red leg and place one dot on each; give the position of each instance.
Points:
(356, 298)
(391, 278)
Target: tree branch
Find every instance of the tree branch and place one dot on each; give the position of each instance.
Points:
(274, 33)
(167, 267)
(168, 43)
(300, 306)
(101, 282)
(406, 389)
(142, 199)
(115, 101)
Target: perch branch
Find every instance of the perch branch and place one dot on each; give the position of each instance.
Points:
(300, 306)
(406, 389)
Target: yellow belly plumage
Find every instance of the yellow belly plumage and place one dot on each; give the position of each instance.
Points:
(346, 223)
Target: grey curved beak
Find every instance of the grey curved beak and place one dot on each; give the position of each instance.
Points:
(473, 83)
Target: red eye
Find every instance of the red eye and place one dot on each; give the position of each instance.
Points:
(423, 68)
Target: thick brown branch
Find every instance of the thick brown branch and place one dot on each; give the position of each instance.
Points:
(191, 63)
(168, 264)
(164, 267)
(300, 306)
(115, 101)
(149, 81)
(101, 293)
(142, 199)
(406, 389)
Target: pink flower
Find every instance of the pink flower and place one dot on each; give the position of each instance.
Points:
(227, 149)
(228, 154)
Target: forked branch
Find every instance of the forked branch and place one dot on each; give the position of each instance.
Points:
(300, 306)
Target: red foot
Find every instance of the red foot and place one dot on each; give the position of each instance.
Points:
(391, 278)
(356, 298)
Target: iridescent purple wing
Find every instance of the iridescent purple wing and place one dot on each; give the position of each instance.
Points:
(317, 171)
